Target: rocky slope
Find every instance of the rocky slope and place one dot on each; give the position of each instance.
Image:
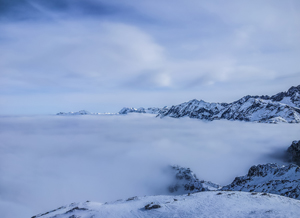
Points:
(203, 204)
(186, 181)
(269, 178)
(206, 199)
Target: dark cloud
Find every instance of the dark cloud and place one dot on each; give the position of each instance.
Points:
(29, 9)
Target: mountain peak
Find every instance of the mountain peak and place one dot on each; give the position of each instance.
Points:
(293, 90)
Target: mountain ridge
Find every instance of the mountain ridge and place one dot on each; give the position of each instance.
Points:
(282, 107)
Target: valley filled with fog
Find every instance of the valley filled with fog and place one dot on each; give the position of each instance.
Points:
(50, 161)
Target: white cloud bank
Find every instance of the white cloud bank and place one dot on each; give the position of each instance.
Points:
(50, 161)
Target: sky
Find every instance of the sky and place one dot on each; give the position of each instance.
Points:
(50, 161)
(68, 55)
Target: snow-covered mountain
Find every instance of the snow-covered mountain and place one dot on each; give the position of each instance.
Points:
(125, 110)
(203, 204)
(150, 110)
(269, 178)
(291, 97)
(81, 112)
(282, 107)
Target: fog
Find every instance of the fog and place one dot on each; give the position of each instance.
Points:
(50, 161)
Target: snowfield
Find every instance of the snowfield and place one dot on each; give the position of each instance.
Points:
(203, 204)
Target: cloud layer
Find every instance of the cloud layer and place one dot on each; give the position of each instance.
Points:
(50, 161)
(171, 50)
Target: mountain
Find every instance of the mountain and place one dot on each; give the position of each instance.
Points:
(186, 181)
(282, 107)
(269, 178)
(82, 112)
(268, 190)
(225, 204)
(291, 97)
(125, 110)
(150, 110)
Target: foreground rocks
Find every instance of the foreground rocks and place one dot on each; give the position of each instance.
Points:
(270, 178)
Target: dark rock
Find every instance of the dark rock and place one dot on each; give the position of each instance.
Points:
(74, 209)
(294, 152)
(132, 198)
(152, 206)
(186, 181)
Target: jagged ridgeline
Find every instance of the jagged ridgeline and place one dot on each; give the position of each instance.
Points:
(282, 107)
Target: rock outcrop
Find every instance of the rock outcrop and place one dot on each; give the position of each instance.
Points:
(269, 178)
(186, 181)
(294, 152)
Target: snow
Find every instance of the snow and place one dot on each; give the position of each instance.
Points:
(203, 204)
(270, 178)
(287, 101)
(248, 108)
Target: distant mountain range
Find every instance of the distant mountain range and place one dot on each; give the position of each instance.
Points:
(282, 107)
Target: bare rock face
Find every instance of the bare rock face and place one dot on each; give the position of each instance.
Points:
(294, 152)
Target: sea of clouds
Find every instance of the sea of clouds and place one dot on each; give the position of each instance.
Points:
(50, 161)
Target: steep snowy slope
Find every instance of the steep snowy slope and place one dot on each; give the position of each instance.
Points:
(203, 204)
(291, 97)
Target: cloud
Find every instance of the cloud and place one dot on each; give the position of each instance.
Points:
(75, 54)
(43, 9)
(209, 49)
(47, 162)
